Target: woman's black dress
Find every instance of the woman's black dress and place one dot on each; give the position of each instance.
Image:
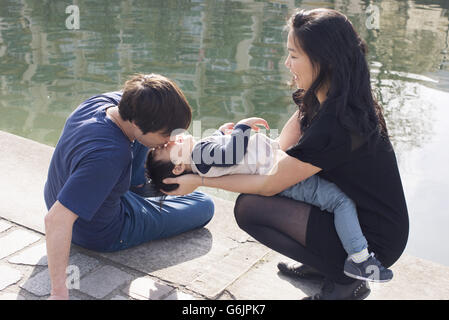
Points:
(369, 175)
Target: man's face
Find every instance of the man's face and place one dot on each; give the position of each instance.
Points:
(152, 139)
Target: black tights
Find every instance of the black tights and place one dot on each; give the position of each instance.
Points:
(281, 224)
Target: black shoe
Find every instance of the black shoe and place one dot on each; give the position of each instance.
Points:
(146, 191)
(369, 270)
(359, 290)
(300, 271)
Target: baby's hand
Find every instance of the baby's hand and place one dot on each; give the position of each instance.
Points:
(227, 128)
(253, 122)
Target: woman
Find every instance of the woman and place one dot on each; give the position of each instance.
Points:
(339, 133)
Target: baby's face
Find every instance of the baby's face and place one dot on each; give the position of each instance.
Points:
(177, 151)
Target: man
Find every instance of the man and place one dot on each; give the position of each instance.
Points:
(96, 186)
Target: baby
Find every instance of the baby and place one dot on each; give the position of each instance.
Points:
(232, 150)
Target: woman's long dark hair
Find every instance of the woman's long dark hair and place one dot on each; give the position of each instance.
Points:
(339, 55)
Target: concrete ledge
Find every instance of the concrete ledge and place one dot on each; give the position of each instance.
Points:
(23, 171)
(219, 261)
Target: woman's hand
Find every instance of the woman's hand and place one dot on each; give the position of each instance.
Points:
(253, 122)
(187, 184)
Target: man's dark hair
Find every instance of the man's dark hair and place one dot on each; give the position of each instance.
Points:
(155, 104)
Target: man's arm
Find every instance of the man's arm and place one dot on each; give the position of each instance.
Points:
(58, 233)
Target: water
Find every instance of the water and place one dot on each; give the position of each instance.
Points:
(228, 56)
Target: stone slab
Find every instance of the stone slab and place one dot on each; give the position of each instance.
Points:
(15, 241)
(39, 284)
(4, 225)
(179, 295)
(223, 224)
(8, 276)
(414, 279)
(146, 288)
(119, 297)
(23, 169)
(180, 259)
(265, 282)
(226, 270)
(34, 256)
(11, 296)
(184, 258)
(103, 281)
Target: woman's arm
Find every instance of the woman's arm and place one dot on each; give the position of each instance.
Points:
(288, 172)
(291, 132)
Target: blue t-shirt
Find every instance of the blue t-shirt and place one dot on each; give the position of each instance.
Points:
(90, 170)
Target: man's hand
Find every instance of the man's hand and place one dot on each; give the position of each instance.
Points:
(58, 235)
(187, 184)
(227, 128)
(253, 122)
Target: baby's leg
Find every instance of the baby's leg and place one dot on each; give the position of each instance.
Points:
(326, 195)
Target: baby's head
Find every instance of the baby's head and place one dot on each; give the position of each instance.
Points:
(169, 161)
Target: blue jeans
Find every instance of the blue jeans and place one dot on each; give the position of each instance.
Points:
(327, 196)
(146, 221)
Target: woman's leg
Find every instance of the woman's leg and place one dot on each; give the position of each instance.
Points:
(282, 225)
(281, 222)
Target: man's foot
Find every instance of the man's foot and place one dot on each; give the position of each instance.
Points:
(369, 270)
(300, 271)
(358, 290)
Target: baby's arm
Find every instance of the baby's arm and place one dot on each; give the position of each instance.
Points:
(213, 153)
(226, 128)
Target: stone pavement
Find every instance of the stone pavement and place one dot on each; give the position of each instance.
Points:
(219, 261)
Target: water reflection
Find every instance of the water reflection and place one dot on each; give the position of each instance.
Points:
(227, 56)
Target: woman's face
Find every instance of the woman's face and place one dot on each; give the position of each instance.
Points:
(299, 64)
